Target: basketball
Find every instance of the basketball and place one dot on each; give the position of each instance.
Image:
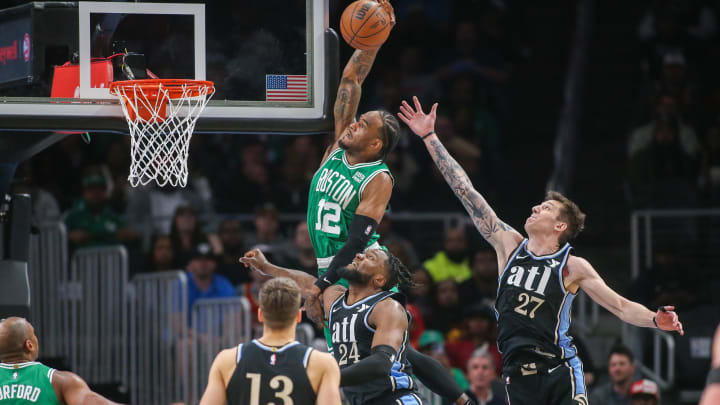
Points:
(365, 25)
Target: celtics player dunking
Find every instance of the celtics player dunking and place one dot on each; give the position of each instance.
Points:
(538, 280)
(25, 381)
(351, 190)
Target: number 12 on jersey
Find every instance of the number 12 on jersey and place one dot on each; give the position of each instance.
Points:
(328, 217)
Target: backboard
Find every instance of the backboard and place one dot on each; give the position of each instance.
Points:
(274, 62)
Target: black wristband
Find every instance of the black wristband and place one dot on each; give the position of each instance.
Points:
(655, 322)
(428, 134)
(713, 376)
(361, 230)
(322, 283)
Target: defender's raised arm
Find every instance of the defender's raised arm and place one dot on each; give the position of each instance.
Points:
(501, 236)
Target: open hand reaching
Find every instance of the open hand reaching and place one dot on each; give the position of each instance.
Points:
(419, 122)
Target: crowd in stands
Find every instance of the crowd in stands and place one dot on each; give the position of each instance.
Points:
(241, 186)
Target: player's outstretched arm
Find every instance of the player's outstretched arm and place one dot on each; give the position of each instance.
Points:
(501, 236)
(324, 368)
(314, 307)
(215, 390)
(257, 260)
(434, 376)
(72, 390)
(582, 274)
(350, 89)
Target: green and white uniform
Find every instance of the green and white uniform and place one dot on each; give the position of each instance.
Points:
(27, 383)
(335, 193)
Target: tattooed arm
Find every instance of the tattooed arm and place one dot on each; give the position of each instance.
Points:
(501, 236)
(354, 74)
(348, 96)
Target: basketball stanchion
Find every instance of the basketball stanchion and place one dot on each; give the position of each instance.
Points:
(161, 116)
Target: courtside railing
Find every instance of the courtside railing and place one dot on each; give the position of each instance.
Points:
(674, 236)
(217, 324)
(48, 274)
(97, 311)
(159, 338)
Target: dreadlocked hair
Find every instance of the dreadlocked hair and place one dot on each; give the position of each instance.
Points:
(398, 274)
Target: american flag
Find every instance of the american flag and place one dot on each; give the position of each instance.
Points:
(286, 88)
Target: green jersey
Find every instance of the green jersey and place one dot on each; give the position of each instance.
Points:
(335, 193)
(26, 383)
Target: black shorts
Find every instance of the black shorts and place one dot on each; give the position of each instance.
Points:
(563, 384)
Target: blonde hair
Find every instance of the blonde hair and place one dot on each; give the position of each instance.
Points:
(279, 301)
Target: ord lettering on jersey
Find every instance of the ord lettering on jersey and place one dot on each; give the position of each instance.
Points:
(336, 186)
(19, 391)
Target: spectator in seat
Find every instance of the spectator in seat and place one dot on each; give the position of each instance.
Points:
(91, 222)
(423, 292)
(268, 237)
(481, 373)
(478, 332)
(644, 392)
(162, 257)
(232, 239)
(45, 206)
(452, 262)
(432, 343)
(202, 282)
(482, 286)
(396, 243)
(300, 254)
(186, 233)
(664, 159)
(447, 312)
(151, 209)
(621, 369)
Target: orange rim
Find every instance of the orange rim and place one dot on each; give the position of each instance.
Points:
(175, 88)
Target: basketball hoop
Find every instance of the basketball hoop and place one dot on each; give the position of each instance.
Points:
(161, 115)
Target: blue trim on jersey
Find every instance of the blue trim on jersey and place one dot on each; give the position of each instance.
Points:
(273, 349)
(346, 306)
(550, 256)
(332, 309)
(512, 257)
(367, 314)
(409, 400)
(562, 266)
(564, 341)
(576, 370)
(239, 353)
(402, 381)
(307, 356)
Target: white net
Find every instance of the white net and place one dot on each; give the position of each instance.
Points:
(161, 117)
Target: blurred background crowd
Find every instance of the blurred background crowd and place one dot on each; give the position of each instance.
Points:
(650, 139)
